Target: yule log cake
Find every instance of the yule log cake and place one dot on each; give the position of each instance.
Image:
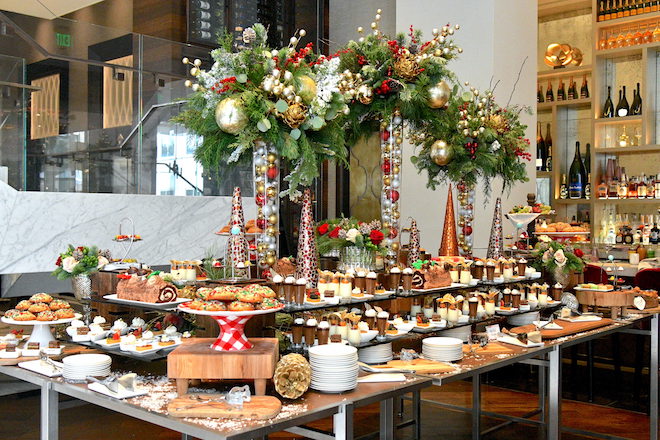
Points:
(153, 289)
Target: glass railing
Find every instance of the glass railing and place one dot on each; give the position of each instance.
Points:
(86, 108)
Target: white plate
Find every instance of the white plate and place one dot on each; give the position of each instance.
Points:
(104, 343)
(368, 336)
(363, 297)
(333, 350)
(183, 308)
(592, 290)
(514, 341)
(35, 322)
(11, 355)
(317, 303)
(506, 312)
(167, 305)
(442, 341)
(38, 367)
(91, 359)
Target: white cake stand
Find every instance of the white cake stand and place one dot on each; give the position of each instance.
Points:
(520, 222)
(41, 332)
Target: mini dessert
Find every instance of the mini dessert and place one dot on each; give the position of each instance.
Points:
(354, 337)
(522, 337)
(406, 279)
(24, 316)
(507, 271)
(565, 313)
(285, 266)
(335, 339)
(436, 317)
(534, 337)
(357, 293)
(370, 318)
(128, 342)
(38, 308)
(394, 278)
(53, 344)
(453, 314)
(289, 288)
(114, 338)
(515, 298)
(299, 290)
(490, 270)
(473, 305)
(46, 316)
(453, 274)
(58, 304)
(166, 342)
(506, 297)
(379, 290)
(522, 266)
(323, 332)
(41, 298)
(23, 305)
(381, 322)
(32, 346)
(391, 330)
(370, 283)
(297, 330)
(416, 306)
(422, 320)
(361, 280)
(238, 306)
(334, 284)
(328, 294)
(557, 290)
(418, 280)
(143, 346)
(345, 287)
(465, 276)
(478, 270)
(342, 329)
(313, 296)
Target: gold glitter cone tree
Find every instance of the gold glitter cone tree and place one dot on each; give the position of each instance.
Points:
(449, 243)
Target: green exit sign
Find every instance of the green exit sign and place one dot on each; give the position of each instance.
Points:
(63, 40)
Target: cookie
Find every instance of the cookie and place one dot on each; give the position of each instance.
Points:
(238, 306)
(23, 305)
(204, 293)
(38, 307)
(249, 297)
(270, 303)
(46, 316)
(65, 313)
(24, 316)
(9, 314)
(58, 304)
(224, 293)
(215, 306)
(41, 298)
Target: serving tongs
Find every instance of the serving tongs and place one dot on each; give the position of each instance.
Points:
(57, 367)
(370, 369)
(113, 383)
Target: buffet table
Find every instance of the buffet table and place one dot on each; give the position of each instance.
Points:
(293, 416)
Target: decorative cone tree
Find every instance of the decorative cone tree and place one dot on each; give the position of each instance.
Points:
(449, 244)
(413, 245)
(496, 242)
(237, 242)
(307, 259)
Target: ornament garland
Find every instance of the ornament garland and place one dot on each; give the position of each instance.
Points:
(266, 185)
(465, 217)
(391, 137)
(288, 98)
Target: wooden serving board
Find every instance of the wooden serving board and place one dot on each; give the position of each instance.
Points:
(419, 366)
(604, 299)
(258, 408)
(491, 348)
(569, 328)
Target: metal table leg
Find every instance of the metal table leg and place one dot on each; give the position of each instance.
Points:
(417, 413)
(387, 419)
(653, 379)
(50, 412)
(554, 395)
(343, 423)
(476, 407)
(543, 390)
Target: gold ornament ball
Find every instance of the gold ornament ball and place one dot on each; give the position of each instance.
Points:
(262, 247)
(441, 153)
(439, 95)
(271, 158)
(270, 230)
(270, 253)
(306, 88)
(395, 246)
(270, 260)
(262, 262)
(230, 115)
(396, 214)
(396, 170)
(260, 187)
(386, 225)
(386, 180)
(270, 191)
(272, 219)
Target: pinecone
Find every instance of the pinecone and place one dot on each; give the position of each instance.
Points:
(78, 255)
(292, 376)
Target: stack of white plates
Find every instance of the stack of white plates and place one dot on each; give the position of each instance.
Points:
(442, 349)
(523, 319)
(376, 354)
(462, 333)
(79, 366)
(334, 367)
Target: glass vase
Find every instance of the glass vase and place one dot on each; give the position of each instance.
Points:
(357, 258)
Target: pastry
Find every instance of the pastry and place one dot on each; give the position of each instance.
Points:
(65, 313)
(215, 306)
(32, 346)
(114, 338)
(53, 344)
(153, 289)
(422, 320)
(335, 338)
(205, 293)
(238, 306)
(285, 266)
(143, 347)
(24, 315)
(379, 290)
(9, 314)
(534, 337)
(418, 280)
(391, 330)
(41, 298)
(58, 304)
(436, 276)
(23, 305)
(84, 330)
(249, 297)
(357, 293)
(38, 308)
(166, 343)
(314, 297)
(522, 337)
(46, 316)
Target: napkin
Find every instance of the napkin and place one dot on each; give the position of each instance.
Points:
(382, 377)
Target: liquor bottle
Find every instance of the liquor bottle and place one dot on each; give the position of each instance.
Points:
(636, 107)
(622, 108)
(654, 237)
(571, 89)
(587, 187)
(641, 187)
(540, 149)
(575, 173)
(656, 184)
(623, 187)
(632, 188)
(561, 92)
(601, 11)
(549, 94)
(563, 189)
(587, 159)
(548, 149)
(627, 235)
(601, 190)
(650, 188)
(539, 94)
(608, 108)
(654, 6)
(584, 89)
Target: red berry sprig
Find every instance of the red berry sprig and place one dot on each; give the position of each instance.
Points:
(471, 147)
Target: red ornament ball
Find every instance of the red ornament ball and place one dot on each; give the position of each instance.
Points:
(272, 173)
(393, 232)
(386, 167)
(260, 199)
(467, 230)
(261, 223)
(385, 135)
(393, 195)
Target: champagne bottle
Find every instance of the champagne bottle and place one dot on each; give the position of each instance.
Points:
(587, 159)
(587, 187)
(548, 149)
(540, 149)
(607, 14)
(601, 11)
(561, 92)
(626, 9)
(572, 92)
(563, 189)
(575, 172)
(584, 90)
(539, 94)
(633, 8)
(636, 106)
(583, 170)
(622, 108)
(640, 7)
(608, 108)
(549, 94)
(619, 10)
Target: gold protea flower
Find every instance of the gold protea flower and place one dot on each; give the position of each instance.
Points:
(406, 67)
(295, 114)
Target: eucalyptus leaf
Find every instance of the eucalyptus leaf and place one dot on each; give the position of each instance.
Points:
(241, 78)
(281, 106)
(467, 96)
(263, 125)
(295, 133)
(317, 123)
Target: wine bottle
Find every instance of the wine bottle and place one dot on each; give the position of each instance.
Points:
(622, 108)
(584, 90)
(587, 159)
(636, 106)
(548, 149)
(626, 9)
(601, 11)
(583, 170)
(608, 108)
(539, 94)
(549, 94)
(587, 187)
(572, 92)
(540, 149)
(561, 92)
(563, 189)
(575, 172)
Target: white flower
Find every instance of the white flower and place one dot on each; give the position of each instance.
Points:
(352, 234)
(547, 255)
(495, 146)
(545, 239)
(69, 263)
(560, 258)
(102, 262)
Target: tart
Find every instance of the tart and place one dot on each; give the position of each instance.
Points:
(47, 316)
(65, 313)
(23, 305)
(58, 304)
(314, 297)
(41, 298)
(166, 343)
(144, 347)
(113, 339)
(38, 308)
(391, 330)
(238, 306)
(380, 290)
(422, 320)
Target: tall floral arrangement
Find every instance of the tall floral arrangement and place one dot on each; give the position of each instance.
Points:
(558, 259)
(335, 234)
(81, 260)
(287, 97)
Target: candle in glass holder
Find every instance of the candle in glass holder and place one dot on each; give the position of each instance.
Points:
(453, 314)
(354, 335)
(416, 306)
